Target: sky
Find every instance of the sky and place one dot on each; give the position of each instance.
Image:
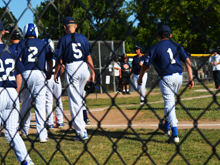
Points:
(17, 7)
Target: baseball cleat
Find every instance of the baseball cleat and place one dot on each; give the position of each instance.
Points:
(175, 139)
(87, 122)
(61, 125)
(44, 140)
(142, 102)
(79, 138)
(27, 162)
(167, 132)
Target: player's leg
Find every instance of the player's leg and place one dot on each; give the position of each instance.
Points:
(57, 91)
(215, 78)
(80, 75)
(40, 112)
(135, 78)
(49, 103)
(168, 92)
(85, 116)
(218, 79)
(127, 85)
(26, 100)
(143, 87)
(10, 117)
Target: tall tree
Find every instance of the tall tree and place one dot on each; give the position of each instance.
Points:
(193, 23)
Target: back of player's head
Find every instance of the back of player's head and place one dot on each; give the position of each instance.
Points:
(164, 31)
(16, 33)
(30, 30)
(49, 42)
(69, 20)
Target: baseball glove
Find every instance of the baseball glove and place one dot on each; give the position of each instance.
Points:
(89, 87)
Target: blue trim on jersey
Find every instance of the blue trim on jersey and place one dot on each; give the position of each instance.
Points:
(73, 47)
(160, 56)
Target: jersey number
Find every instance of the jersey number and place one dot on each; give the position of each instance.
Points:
(77, 50)
(8, 70)
(33, 51)
(171, 56)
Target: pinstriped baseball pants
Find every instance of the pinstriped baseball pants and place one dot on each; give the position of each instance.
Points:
(169, 87)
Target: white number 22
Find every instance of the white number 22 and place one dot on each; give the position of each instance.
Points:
(8, 70)
(171, 56)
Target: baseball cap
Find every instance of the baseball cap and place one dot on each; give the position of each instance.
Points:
(69, 20)
(1, 26)
(137, 47)
(163, 30)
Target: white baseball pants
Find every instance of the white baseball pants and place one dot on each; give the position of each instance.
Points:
(53, 92)
(76, 76)
(142, 87)
(33, 91)
(9, 113)
(170, 86)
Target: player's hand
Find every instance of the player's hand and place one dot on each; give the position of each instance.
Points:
(215, 64)
(139, 81)
(48, 75)
(56, 79)
(190, 84)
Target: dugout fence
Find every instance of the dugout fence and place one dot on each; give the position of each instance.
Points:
(128, 143)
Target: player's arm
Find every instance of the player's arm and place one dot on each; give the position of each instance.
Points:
(18, 82)
(142, 72)
(91, 67)
(57, 68)
(50, 68)
(62, 73)
(189, 71)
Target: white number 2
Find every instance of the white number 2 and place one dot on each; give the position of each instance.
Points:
(31, 57)
(171, 56)
(8, 70)
(76, 50)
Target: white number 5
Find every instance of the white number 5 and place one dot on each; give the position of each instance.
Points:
(171, 56)
(76, 50)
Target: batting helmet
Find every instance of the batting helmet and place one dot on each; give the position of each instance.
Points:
(16, 33)
(136, 47)
(30, 30)
(49, 42)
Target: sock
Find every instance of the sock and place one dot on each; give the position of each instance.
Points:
(174, 131)
(127, 90)
(85, 117)
(166, 125)
(123, 90)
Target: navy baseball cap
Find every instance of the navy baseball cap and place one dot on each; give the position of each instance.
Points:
(164, 30)
(137, 47)
(1, 26)
(69, 20)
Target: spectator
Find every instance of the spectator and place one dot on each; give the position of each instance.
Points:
(215, 62)
(116, 72)
(125, 73)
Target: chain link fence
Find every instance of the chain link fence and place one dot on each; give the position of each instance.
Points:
(103, 54)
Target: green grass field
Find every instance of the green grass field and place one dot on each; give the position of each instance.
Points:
(132, 146)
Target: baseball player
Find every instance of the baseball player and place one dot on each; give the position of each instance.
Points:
(53, 92)
(166, 56)
(33, 53)
(15, 37)
(137, 62)
(74, 52)
(9, 107)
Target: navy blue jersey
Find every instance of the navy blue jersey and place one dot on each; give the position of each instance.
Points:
(13, 46)
(33, 53)
(8, 64)
(136, 68)
(166, 56)
(125, 69)
(73, 47)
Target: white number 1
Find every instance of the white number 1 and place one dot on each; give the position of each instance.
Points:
(171, 56)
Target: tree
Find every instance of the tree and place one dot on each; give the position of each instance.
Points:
(194, 24)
